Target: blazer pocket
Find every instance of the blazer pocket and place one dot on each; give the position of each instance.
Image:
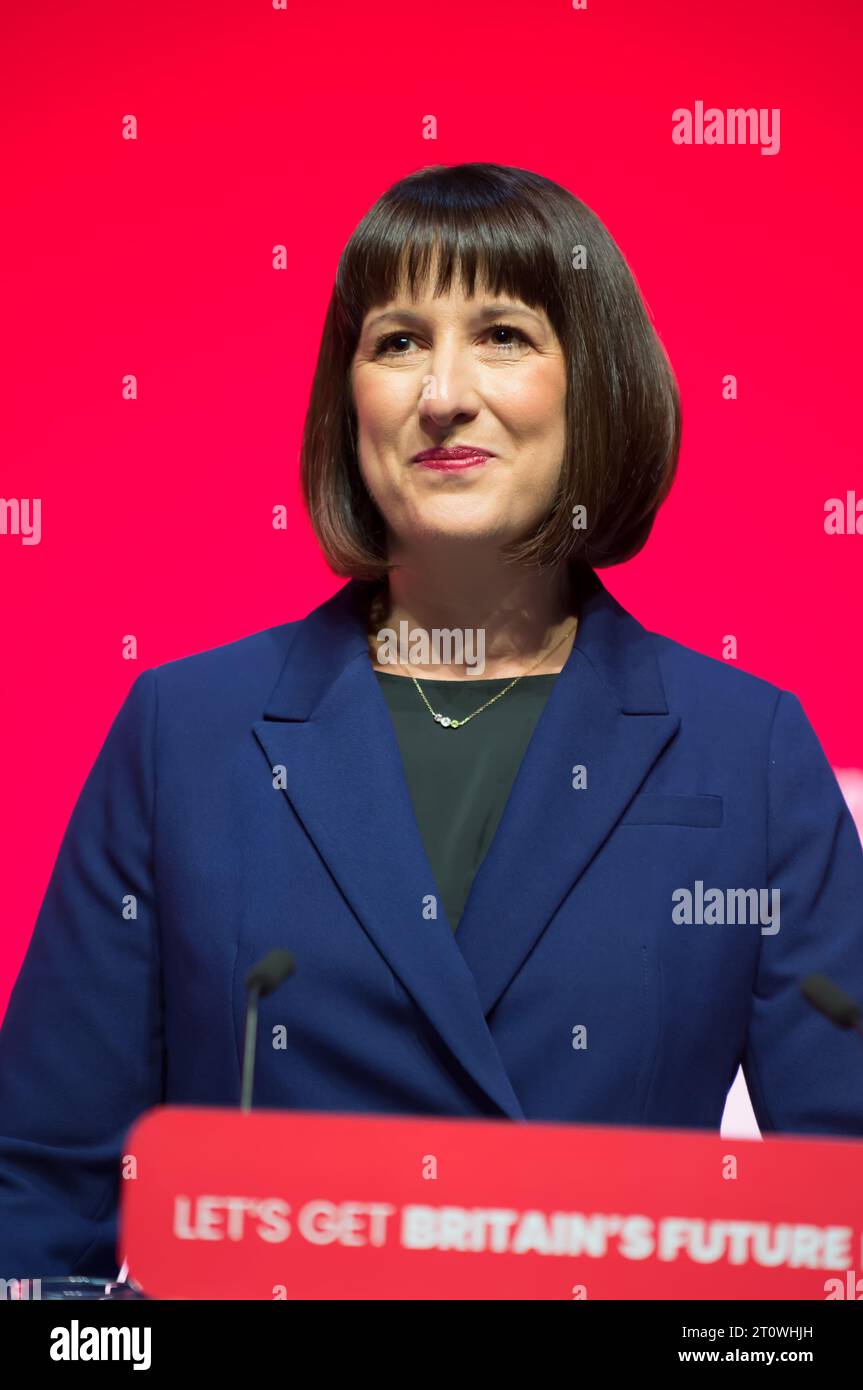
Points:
(655, 808)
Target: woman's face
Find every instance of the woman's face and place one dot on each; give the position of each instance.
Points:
(438, 373)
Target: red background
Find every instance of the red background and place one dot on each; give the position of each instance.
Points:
(260, 126)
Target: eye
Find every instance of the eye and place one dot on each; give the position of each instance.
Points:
(386, 345)
(508, 328)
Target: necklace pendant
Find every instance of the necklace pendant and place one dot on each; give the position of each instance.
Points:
(454, 723)
(445, 721)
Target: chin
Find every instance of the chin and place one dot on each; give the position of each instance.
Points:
(465, 535)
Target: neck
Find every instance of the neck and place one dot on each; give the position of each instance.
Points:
(514, 617)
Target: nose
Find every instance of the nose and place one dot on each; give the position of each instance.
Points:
(449, 389)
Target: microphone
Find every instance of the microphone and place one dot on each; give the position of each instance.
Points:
(833, 1002)
(261, 980)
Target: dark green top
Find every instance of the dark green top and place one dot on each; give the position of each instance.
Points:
(459, 779)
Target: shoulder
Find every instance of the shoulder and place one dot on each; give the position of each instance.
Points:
(711, 688)
(742, 714)
(235, 677)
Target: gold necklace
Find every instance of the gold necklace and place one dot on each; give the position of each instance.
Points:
(444, 720)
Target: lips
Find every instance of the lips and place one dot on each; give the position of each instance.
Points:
(459, 456)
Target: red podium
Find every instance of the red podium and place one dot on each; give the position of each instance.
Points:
(271, 1205)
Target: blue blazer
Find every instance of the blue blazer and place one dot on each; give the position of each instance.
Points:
(572, 990)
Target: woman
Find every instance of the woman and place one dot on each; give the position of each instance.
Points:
(533, 860)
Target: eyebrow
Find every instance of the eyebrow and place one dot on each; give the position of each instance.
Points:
(488, 311)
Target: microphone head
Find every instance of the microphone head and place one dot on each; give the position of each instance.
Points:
(831, 1001)
(270, 972)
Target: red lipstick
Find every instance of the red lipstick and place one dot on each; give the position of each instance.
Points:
(454, 459)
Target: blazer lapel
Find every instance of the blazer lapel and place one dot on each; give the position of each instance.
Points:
(607, 712)
(327, 723)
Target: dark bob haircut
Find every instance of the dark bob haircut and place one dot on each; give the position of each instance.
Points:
(514, 232)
